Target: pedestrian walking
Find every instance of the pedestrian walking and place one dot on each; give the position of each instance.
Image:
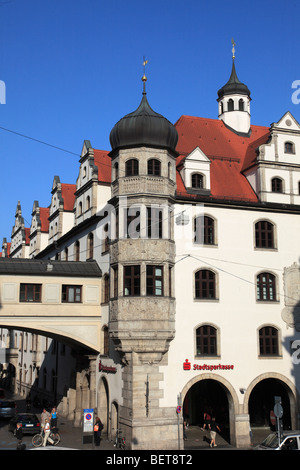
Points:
(214, 427)
(98, 426)
(44, 415)
(206, 420)
(46, 432)
(53, 418)
(19, 436)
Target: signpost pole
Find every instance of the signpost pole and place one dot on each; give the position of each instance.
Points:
(88, 426)
(278, 411)
(178, 416)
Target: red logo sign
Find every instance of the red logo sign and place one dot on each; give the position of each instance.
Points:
(187, 366)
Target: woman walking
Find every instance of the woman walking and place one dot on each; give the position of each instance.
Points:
(213, 426)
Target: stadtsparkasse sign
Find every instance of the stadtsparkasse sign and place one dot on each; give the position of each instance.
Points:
(210, 367)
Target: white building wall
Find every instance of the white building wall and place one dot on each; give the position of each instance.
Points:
(236, 314)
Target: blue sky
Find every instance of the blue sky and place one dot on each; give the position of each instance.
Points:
(73, 68)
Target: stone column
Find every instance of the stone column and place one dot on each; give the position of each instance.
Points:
(242, 431)
(145, 424)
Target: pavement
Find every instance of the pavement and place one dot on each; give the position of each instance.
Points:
(72, 437)
(200, 440)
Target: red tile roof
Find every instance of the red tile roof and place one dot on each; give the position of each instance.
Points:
(103, 163)
(27, 236)
(44, 217)
(228, 152)
(68, 194)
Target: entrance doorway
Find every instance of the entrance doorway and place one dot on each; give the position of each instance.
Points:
(262, 400)
(207, 396)
(103, 405)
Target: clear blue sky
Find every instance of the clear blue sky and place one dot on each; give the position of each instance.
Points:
(73, 68)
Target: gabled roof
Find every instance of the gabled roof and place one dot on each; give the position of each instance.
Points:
(228, 152)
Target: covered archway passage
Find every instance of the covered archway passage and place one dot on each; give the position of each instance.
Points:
(212, 394)
(261, 400)
(52, 298)
(103, 405)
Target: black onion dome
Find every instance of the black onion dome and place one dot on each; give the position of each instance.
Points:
(234, 86)
(143, 127)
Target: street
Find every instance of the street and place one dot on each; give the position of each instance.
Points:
(71, 437)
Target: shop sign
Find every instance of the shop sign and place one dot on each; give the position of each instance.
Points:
(109, 369)
(210, 367)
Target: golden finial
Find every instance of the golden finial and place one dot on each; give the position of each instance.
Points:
(144, 65)
(144, 78)
(233, 49)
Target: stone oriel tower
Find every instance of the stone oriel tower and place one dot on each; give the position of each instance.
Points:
(142, 304)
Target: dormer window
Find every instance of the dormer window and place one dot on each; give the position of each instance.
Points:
(197, 181)
(289, 147)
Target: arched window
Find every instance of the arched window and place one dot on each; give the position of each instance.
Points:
(206, 341)
(264, 234)
(105, 341)
(268, 341)
(266, 287)
(205, 284)
(204, 230)
(132, 167)
(241, 105)
(88, 203)
(289, 147)
(80, 208)
(154, 167)
(90, 247)
(230, 105)
(277, 186)
(106, 289)
(197, 181)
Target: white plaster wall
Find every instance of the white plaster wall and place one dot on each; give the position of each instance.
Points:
(237, 313)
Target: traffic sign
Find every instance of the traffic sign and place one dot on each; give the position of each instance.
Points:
(272, 417)
(88, 418)
(278, 410)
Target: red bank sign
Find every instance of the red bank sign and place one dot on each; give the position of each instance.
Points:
(188, 366)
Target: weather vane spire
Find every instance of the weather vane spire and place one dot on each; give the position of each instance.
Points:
(233, 49)
(144, 78)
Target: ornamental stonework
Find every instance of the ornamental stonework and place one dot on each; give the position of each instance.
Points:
(291, 312)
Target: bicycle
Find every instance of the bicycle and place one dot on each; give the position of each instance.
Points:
(53, 439)
(120, 441)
